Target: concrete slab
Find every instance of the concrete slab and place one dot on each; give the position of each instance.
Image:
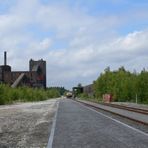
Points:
(79, 127)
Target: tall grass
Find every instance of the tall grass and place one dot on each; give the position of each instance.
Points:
(9, 95)
(84, 96)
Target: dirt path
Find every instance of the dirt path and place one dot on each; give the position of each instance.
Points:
(26, 124)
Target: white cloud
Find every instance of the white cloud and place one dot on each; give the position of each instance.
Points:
(89, 61)
(132, 43)
(39, 47)
(92, 43)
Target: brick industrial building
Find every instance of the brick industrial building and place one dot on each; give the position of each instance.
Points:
(35, 77)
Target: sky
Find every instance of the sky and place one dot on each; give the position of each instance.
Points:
(77, 38)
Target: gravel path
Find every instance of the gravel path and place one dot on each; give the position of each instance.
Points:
(26, 124)
(142, 106)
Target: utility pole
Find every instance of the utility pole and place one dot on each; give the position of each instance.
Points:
(136, 99)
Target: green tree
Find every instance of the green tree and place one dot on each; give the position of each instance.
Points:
(122, 84)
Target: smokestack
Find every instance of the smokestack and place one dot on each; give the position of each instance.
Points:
(5, 58)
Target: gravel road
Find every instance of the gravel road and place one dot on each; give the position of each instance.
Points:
(26, 124)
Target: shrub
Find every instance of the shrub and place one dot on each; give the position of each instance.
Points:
(9, 95)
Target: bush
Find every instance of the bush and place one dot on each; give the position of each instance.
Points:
(9, 95)
(123, 85)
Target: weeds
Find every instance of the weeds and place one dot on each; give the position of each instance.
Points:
(9, 95)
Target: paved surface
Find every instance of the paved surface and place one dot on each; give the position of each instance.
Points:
(79, 127)
(130, 114)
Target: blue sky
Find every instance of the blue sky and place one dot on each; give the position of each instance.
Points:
(77, 38)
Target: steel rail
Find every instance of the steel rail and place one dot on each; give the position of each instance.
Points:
(133, 109)
(123, 116)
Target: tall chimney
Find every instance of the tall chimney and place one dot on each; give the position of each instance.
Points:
(5, 58)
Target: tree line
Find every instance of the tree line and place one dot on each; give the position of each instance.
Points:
(123, 85)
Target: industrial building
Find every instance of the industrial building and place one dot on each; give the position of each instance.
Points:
(35, 77)
(89, 90)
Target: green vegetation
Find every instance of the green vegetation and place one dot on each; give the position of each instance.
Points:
(85, 96)
(60, 90)
(9, 95)
(123, 85)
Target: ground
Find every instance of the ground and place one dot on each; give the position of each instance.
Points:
(78, 126)
(26, 124)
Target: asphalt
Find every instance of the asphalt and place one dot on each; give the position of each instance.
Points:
(77, 126)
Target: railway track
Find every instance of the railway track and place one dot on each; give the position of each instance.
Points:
(121, 107)
(133, 109)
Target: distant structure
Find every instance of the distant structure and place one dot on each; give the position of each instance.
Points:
(89, 90)
(5, 71)
(35, 77)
